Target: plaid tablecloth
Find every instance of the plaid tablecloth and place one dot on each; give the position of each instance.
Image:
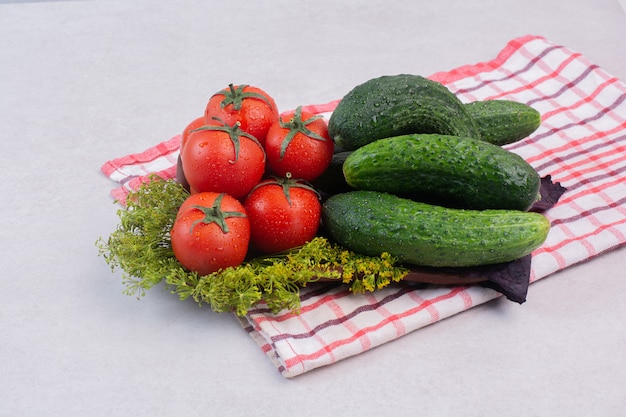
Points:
(581, 144)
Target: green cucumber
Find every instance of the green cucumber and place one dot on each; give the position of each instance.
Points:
(445, 170)
(371, 222)
(502, 122)
(395, 105)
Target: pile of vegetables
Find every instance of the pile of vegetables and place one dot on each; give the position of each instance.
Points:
(265, 203)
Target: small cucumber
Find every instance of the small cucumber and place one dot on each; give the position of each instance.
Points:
(445, 170)
(371, 222)
(395, 105)
(503, 121)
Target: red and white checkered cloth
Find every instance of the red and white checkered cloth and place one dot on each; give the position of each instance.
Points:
(581, 143)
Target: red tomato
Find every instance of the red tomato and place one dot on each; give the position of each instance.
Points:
(222, 159)
(211, 232)
(283, 214)
(180, 174)
(194, 124)
(299, 143)
(252, 107)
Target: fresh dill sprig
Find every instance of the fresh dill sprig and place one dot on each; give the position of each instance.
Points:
(141, 248)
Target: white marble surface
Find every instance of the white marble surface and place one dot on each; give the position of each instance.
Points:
(82, 82)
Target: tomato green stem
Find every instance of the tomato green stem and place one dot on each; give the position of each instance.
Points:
(297, 125)
(234, 132)
(287, 183)
(215, 214)
(235, 96)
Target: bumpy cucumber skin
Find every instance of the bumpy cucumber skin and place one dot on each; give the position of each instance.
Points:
(394, 105)
(502, 122)
(445, 170)
(370, 223)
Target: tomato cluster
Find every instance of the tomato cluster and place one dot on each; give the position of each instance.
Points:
(248, 169)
